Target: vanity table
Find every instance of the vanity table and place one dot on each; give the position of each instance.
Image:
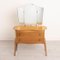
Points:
(30, 29)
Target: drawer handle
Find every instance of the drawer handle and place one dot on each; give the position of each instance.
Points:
(39, 39)
(39, 34)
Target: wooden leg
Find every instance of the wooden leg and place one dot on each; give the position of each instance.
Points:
(45, 48)
(15, 48)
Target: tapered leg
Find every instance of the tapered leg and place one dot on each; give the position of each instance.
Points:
(15, 48)
(45, 48)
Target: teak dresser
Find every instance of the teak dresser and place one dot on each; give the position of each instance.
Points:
(30, 35)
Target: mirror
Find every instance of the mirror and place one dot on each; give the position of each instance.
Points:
(30, 15)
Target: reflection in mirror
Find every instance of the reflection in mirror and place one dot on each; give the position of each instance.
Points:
(30, 15)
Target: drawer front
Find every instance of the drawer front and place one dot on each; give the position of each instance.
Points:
(30, 33)
(29, 40)
(29, 37)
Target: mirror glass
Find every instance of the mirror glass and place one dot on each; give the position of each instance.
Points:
(30, 14)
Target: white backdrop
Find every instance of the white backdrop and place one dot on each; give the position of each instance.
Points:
(8, 19)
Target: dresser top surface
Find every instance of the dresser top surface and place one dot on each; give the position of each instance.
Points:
(30, 27)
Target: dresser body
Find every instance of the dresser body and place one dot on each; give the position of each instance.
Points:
(30, 35)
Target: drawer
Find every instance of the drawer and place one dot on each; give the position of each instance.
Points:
(28, 39)
(30, 33)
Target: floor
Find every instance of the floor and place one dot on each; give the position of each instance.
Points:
(29, 52)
